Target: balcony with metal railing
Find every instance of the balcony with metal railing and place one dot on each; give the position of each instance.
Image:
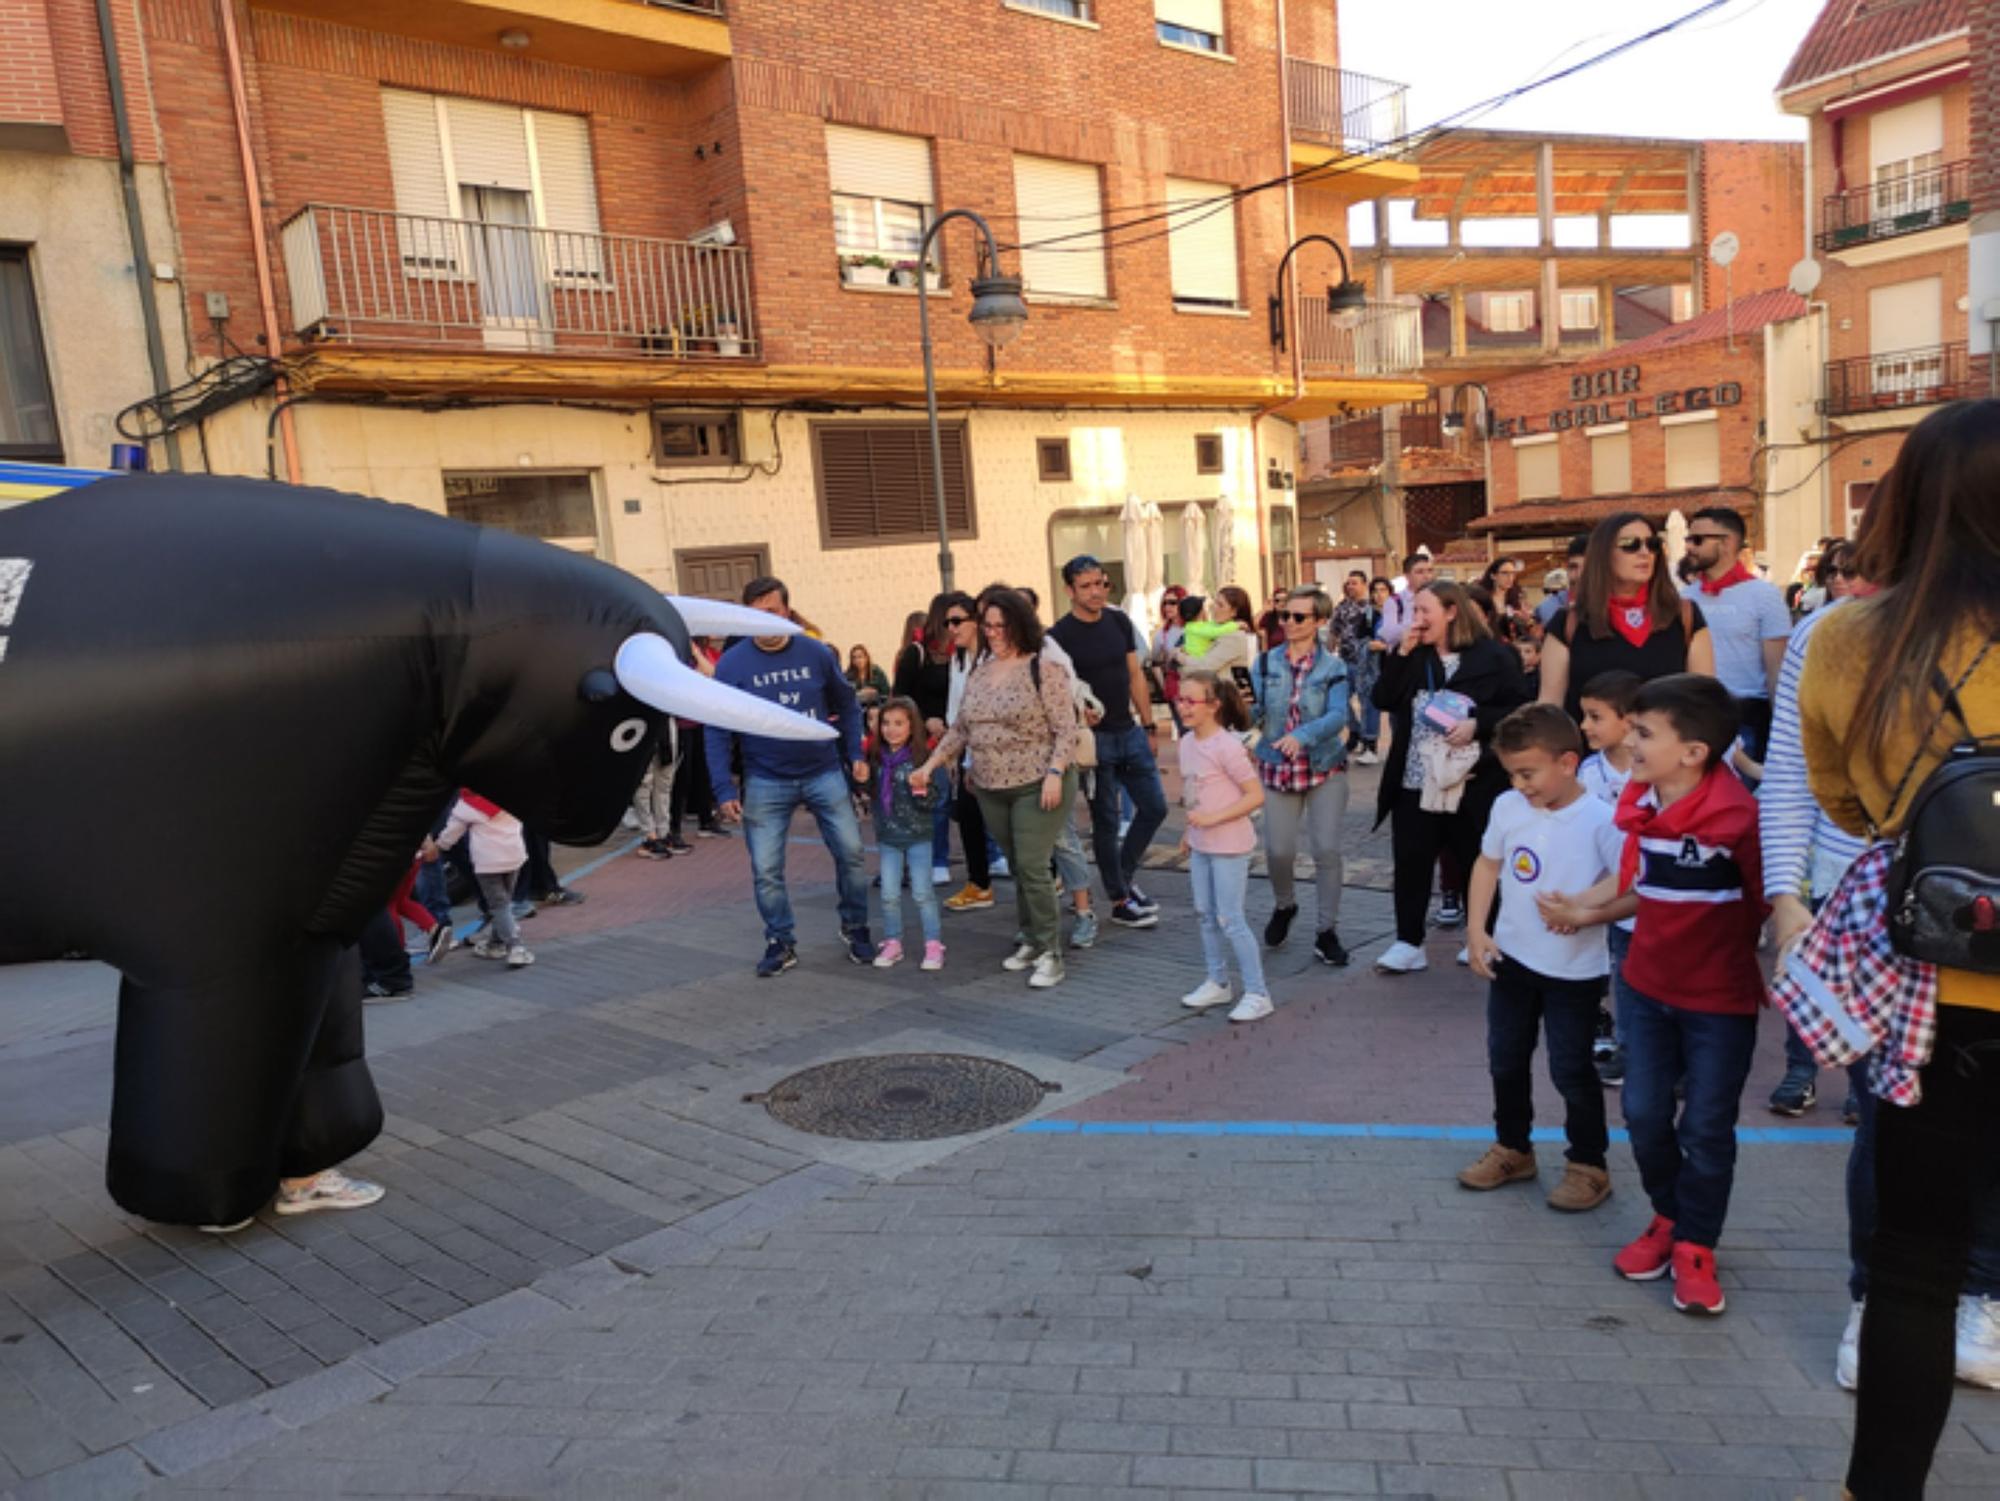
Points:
(1352, 111)
(1904, 204)
(654, 38)
(376, 277)
(1388, 340)
(1903, 378)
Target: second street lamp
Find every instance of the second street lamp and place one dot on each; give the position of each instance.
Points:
(1345, 301)
(998, 313)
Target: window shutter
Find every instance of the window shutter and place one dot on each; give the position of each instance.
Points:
(416, 167)
(1906, 315)
(489, 145)
(1060, 198)
(1538, 471)
(875, 483)
(876, 164)
(1694, 454)
(1196, 15)
(1201, 243)
(1907, 131)
(1611, 464)
(569, 192)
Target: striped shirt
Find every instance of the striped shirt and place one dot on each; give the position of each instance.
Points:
(1805, 852)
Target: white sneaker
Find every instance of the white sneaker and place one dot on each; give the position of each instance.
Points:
(1204, 995)
(518, 957)
(331, 1189)
(1252, 1008)
(1979, 1341)
(1048, 971)
(1023, 956)
(1366, 758)
(1465, 957)
(1402, 959)
(1847, 1362)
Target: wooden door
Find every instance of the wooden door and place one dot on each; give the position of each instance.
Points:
(720, 572)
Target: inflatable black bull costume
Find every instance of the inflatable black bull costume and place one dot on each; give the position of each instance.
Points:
(229, 713)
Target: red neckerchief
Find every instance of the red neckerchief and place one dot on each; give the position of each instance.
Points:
(1631, 618)
(477, 803)
(1640, 816)
(1737, 575)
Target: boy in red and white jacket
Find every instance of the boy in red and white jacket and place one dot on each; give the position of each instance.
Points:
(1690, 988)
(498, 853)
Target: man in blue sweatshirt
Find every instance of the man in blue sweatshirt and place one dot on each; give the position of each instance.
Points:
(780, 776)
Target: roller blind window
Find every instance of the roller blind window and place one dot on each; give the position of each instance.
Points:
(1201, 243)
(1058, 200)
(1538, 470)
(1190, 23)
(1611, 464)
(1694, 455)
(882, 192)
(875, 484)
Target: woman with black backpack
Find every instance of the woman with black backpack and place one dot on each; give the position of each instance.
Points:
(1891, 685)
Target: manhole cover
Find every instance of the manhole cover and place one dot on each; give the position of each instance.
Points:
(904, 1097)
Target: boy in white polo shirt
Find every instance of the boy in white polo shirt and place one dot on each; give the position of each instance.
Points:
(1546, 835)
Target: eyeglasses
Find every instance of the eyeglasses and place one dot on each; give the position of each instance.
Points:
(1694, 537)
(955, 621)
(1654, 543)
(993, 625)
(1298, 617)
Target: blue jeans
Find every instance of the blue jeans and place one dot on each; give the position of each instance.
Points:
(768, 806)
(1687, 1166)
(431, 892)
(1520, 1005)
(1982, 1262)
(1124, 764)
(893, 859)
(941, 822)
(1219, 884)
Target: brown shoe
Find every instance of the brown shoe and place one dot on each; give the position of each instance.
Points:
(1581, 1188)
(1499, 1167)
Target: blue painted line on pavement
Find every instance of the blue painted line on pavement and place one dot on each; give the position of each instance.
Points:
(1751, 1135)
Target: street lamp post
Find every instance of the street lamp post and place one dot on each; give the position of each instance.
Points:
(998, 313)
(1345, 302)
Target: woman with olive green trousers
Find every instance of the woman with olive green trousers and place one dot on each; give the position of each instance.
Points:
(1017, 718)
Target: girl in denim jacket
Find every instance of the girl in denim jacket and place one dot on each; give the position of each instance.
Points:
(903, 832)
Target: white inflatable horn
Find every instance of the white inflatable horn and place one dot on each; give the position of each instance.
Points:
(651, 671)
(717, 617)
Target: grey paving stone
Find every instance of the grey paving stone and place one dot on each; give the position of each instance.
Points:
(203, 1440)
(419, 1350)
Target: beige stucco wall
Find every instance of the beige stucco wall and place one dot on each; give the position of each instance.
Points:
(1795, 472)
(852, 593)
(70, 211)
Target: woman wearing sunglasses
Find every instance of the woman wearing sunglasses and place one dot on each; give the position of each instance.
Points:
(1625, 616)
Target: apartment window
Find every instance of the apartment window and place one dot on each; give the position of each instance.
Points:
(559, 508)
(1579, 310)
(1063, 200)
(27, 403)
(875, 485)
(1611, 462)
(1680, 305)
(1201, 243)
(1510, 312)
(1208, 453)
(510, 171)
(1052, 459)
(1859, 493)
(1537, 468)
(686, 440)
(1071, 10)
(1905, 151)
(1190, 23)
(882, 193)
(1694, 450)
(1905, 330)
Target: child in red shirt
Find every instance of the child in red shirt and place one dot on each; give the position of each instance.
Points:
(1690, 986)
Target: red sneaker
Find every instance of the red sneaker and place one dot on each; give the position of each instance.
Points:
(1695, 1287)
(1650, 1255)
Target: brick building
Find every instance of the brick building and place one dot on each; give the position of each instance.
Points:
(1983, 300)
(74, 342)
(1888, 94)
(1672, 422)
(640, 277)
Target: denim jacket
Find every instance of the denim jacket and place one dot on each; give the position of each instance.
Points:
(908, 820)
(1322, 707)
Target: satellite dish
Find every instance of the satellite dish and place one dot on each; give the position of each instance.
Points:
(1805, 276)
(1723, 248)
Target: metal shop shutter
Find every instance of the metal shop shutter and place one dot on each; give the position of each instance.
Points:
(875, 483)
(1053, 199)
(876, 164)
(1201, 243)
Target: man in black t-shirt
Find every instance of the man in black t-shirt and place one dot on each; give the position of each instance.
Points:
(1105, 646)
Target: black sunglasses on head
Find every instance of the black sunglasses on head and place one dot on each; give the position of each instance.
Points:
(1654, 543)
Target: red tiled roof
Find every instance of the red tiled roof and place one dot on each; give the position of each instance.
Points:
(1745, 315)
(1852, 33)
(1565, 516)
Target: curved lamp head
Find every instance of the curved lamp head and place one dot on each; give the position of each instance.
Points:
(1346, 303)
(997, 309)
